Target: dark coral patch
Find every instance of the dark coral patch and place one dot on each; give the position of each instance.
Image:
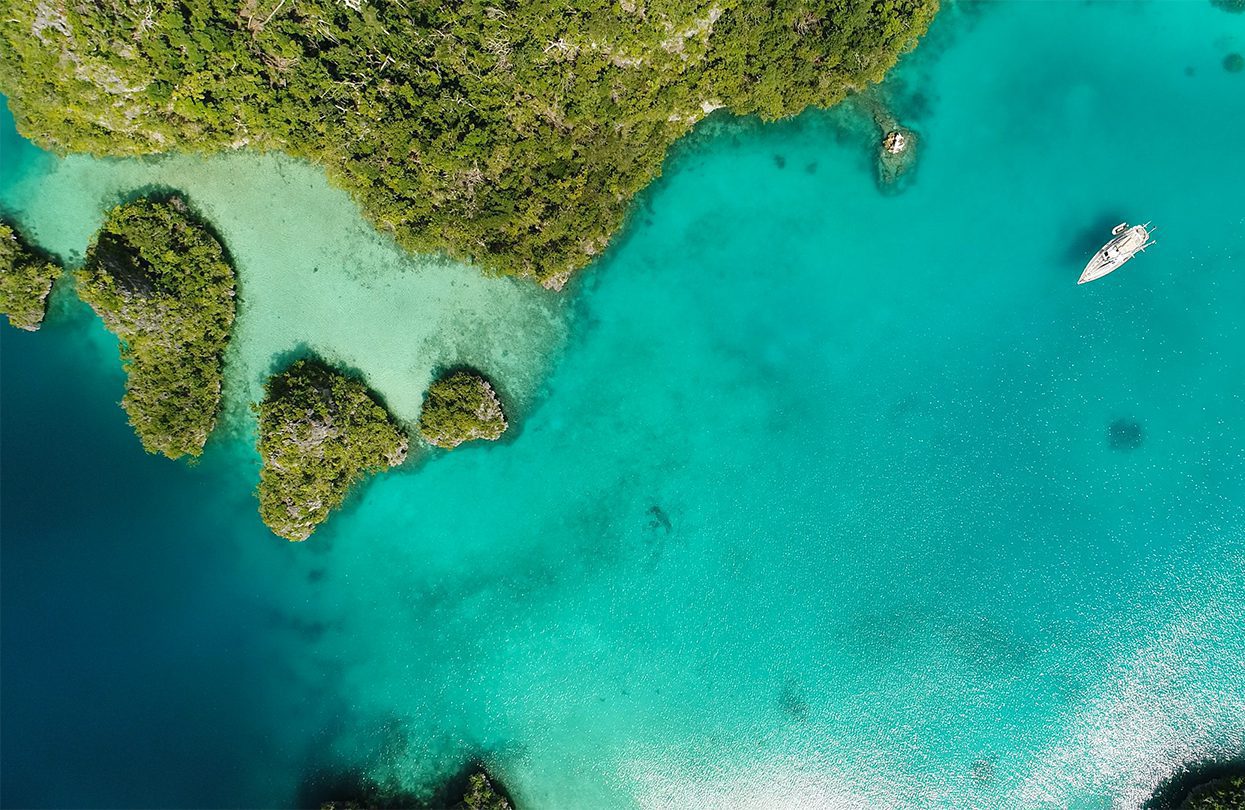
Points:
(1126, 434)
(1234, 63)
(983, 769)
(793, 701)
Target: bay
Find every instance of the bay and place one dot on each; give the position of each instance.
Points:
(819, 496)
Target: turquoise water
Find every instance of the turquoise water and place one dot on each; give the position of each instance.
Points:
(820, 497)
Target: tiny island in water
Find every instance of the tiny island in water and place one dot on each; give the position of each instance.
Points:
(512, 136)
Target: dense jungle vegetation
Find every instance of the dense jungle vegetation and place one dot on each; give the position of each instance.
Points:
(461, 406)
(512, 133)
(162, 284)
(26, 278)
(482, 792)
(320, 433)
(482, 795)
(1221, 794)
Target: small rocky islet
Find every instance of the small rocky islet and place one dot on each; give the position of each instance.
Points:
(320, 433)
(26, 279)
(461, 406)
(1226, 793)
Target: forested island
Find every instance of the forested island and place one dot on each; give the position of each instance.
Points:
(26, 278)
(160, 281)
(320, 433)
(461, 406)
(509, 133)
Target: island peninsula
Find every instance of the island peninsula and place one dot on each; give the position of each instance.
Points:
(512, 134)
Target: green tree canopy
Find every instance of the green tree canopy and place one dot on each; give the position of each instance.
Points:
(511, 132)
(320, 433)
(460, 407)
(161, 282)
(26, 279)
(1220, 794)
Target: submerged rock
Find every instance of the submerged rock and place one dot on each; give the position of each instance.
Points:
(897, 144)
(1126, 434)
(320, 433)
(461, 407)
(1234, 63)
(658, 519)
(897, 155)
(26, 279)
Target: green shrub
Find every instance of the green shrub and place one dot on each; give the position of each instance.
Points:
(160, 281)
(481, 794)
(320, 432)
(460, 407)
(26, 280)
(1221, 794)
(510, 132)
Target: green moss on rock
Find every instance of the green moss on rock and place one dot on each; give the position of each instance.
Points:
(320, 433)
(512, 133)
(26, 279)
(162, 284)
(461, 407)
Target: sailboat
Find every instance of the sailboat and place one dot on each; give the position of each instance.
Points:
(1126, 242)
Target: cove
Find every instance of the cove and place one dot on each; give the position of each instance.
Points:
(822, 498)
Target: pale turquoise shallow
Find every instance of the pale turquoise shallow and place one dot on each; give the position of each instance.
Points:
(814, 500)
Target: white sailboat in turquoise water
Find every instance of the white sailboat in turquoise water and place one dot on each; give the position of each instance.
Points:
(1126, 242)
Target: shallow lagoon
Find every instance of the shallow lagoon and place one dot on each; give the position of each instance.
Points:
(824, 503)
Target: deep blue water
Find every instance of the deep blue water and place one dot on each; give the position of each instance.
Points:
(831, 499)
